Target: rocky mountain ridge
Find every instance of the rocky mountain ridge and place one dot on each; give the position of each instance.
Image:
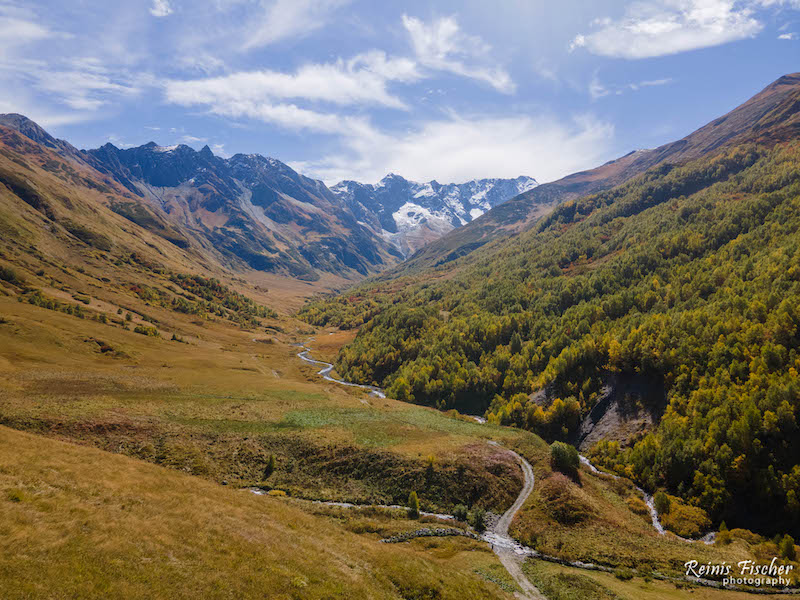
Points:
(411, 214)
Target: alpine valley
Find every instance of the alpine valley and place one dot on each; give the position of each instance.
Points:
(224, 379)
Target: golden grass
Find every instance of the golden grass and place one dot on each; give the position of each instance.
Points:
(220, 405)
(80, 523)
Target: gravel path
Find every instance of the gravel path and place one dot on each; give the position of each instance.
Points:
(510, 553)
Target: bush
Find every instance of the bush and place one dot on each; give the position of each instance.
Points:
(413, 506)
(623, 574)
(685, 520)
(8, 274)
(460, 513)
(146, 330)
(562, 499)
(723, 536)
(564, 458)
(478, 520)
(637, 505)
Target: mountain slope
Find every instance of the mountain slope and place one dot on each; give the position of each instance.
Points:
(411, 214)
(90, 524)
(686, 276)
(251, 212)
(768, 117)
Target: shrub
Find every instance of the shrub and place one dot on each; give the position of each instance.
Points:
(623, 574)
(8, 274)
(685, 520)
(15, 495)
(460, 513)
(637, 505)
(413, 506)
(478, 519)
(146, 330)
(279, 493)
(723, 536)
(564, 458)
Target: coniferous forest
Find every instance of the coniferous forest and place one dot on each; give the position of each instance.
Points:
(687, 275)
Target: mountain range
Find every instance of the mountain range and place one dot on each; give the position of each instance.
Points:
(410, 214)
(256, 213)
(153, 301)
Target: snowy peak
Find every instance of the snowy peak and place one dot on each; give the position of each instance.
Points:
(411, 214)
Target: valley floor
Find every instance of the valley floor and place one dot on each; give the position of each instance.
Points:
(131, 486)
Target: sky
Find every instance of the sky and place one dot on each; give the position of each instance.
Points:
(356, 89)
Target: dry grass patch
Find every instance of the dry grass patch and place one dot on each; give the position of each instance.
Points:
(77, 522)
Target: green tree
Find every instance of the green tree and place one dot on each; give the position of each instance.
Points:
(478, 519)
(270, 468)
(516, 343)
(786, 548)
(460, 513)
(413, 506)
(661, 502)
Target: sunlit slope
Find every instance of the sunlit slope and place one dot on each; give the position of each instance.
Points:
(81, 523)
(769, 117)
(685, 276)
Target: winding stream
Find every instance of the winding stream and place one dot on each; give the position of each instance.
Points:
(509, 551)
(325, 373)
(327, 367)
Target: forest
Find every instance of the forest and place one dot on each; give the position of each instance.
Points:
(689, 274)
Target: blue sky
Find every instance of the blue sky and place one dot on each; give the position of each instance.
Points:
(356, 89)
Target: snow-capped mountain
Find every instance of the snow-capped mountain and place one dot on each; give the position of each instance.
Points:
(411, 214)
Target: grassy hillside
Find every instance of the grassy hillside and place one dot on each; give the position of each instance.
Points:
(221, 400)
(81, 523)
(685, 274)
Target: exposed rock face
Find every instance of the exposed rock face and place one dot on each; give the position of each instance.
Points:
(411, 214)
(628, 405)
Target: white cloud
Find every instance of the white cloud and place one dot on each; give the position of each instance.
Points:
(283, 19)
(160, 8)
(442, 46)
(662, 27)
(788, 36)
(770, 3)
(463, 148)
(219, 150)
(85, 89)
(361, 80)
(191, 139)
(597, 89)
